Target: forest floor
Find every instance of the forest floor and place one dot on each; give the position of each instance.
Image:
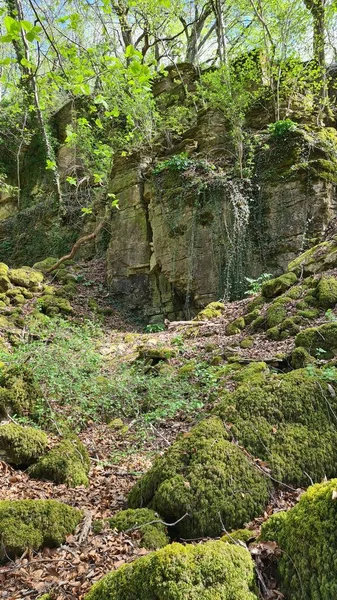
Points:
(117, 461)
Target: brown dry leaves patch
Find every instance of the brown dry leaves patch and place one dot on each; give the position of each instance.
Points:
(69, 571)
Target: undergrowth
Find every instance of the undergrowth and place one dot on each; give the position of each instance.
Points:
(79, 386)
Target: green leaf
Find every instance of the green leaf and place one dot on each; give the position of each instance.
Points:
(50, 165)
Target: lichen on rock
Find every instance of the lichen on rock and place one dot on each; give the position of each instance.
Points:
(68, 463)
(199, 476)
(21, 445)
(214, 570)
(32, 524)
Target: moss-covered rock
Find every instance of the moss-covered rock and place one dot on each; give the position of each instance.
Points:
(213, 311)
(18, 391)
(52, 305)
(44, 265)
(34, 524)
(235, 326)
(21, 445)
(316, 339)
(300, 358)
(156, 353)
(67, 463)
(251, 316)
(317, 259)
(199, 475)
(147, 522)
(327, 292)
(276, 312)
(277, 286)
(210, 571)
(5, 283)
(247, 342)
(26, 277)
(307, 537)
(287, 422)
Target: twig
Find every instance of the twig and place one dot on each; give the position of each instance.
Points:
(86, 527)
(157, 521)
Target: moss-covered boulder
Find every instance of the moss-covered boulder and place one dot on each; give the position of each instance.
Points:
(5, 283)
(307, 536)
(286, 421)
(21, 445)
(18, 391)
(26, 277)
(198, 476)
(211, 312)
(44, 265)
(277, 286)
(235, 326)
(67, 463)
(300, 358)
(33, 524)
(210, 571)
(53, 305)
(327, 292)
(318, 339)
(317, 259)
(147, 522)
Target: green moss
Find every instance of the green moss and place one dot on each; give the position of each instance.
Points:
(276, 313)
(116, 424)
(153, 532)
(327, 292)
(277, 286)
(256, 303)
(235, 326)
(250, 317)
(300, 358)
(198, 475)
(247, 342)
(18, 391)
(210, 571)
(45, 264)
(309, 313)
(307, 537)
(26, 277)
(21, 445)
(67, 463)
(52, 305)
(214, 310)
(291, 325)
(274, 333)
(241, 535)
(315, 339)
(258, 323)
(157, 353)
(287, 422)
(34, 524)
(255, 371)
(319, 258)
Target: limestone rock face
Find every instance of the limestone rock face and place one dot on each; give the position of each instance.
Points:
(189, 231)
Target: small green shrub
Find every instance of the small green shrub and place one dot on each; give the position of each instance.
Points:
(255, 285)
(281, 128)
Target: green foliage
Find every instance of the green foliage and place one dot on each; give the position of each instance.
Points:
(255, 285)
(147, 522)
(200, 475)
(32, 524)
(177, 162)
(176, 572)
(281, 128)
(154, 327)
(307, 537)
